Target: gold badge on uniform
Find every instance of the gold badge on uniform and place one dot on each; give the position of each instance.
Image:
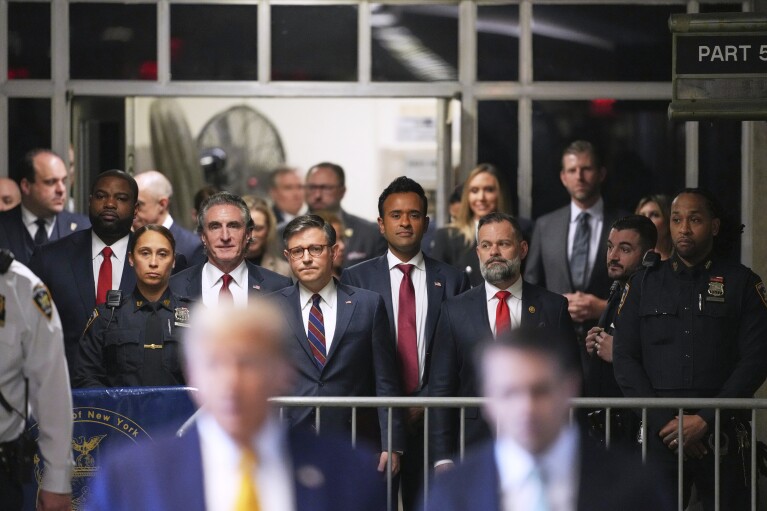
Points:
(759, 289)
(2, 311)
(715, 292)
(43, 300)
(182, 317)
(531, 309)
(623, 297)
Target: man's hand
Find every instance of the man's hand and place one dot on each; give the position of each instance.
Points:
(605, 347)
(49, 501)
(582, 306)
(394, 462)
(694, 429)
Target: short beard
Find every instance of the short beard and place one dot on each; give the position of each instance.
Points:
(497, 274)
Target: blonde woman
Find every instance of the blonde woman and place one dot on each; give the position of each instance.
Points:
(263, 236)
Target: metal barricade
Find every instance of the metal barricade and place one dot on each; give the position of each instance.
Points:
(608, 404)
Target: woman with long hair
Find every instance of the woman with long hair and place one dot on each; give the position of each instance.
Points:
(261, 247)
(658, 209)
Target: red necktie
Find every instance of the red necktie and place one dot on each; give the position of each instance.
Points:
(225, 295)
(502, 314)
(407, 344)
(105, 276)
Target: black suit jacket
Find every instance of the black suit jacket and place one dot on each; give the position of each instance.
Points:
(463, 324)
(187, 244)
(168, 475)
(188, 283)
(66, 267)
(15, 236)
(361, 362)
(442, 282)
(607, 480)
(362, 238)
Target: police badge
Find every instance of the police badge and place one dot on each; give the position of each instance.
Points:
(182, 317)
(715, 289)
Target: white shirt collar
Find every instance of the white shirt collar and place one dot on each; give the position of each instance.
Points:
(29, 218)
(515, 289)
(327, 293)
(239, 274)
(168, 221)
(596, 211)
(417, 260)
(119, 247)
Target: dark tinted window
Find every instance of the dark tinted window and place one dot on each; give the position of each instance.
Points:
(29, 41)
(112, 41)
(498, 43)
(29, 123)
(497, 142)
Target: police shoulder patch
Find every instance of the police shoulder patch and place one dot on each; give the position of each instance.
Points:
(623, 296)
(42, 299)
(762, 292)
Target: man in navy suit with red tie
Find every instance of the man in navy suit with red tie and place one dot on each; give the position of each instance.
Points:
(340, 343)
(81, 268)
(503, 302)
(413, 287)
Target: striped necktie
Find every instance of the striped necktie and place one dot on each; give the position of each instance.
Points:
(316, 332)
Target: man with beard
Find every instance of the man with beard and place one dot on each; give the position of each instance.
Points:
(81, 268)
(696, 327)
(502, 303)
(630, 239)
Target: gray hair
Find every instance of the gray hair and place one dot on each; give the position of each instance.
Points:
(155, 183)
(224, 198)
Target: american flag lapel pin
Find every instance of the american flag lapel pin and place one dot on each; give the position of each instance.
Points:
(349, 302)
(256, 286)
(437, 283)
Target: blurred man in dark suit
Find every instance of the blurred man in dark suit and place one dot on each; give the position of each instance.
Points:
(41, 217)
(413, 287)
(502, 302)
(237, 456)
(538, 461)
(154, 194)
(80, 269)
(286, 189)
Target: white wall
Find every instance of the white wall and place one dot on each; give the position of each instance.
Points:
(374, 140)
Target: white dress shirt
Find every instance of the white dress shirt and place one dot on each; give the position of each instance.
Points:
(29, 220)
(212, 282)
(514, 301)
(418, 277)
(329, 299)
(596, 221)
(119, 259)
(560, 464)
(221, 456)
(168, 222)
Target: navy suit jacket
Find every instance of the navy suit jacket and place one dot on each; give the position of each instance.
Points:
(167, 475)
(442, 282)
(66, 267)
(463, 324)
(187, 243)
(607, 480)
(15, 236)
(188, 283)
(361, 362)
(362, 239)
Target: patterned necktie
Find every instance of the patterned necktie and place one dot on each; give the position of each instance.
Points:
(41, 235)
(579, 258)
(407, 343)
(247, 496)
(225, 295)
(105, 276)
(316, 332)
(502, 313)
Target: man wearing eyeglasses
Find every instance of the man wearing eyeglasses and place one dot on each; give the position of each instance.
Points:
(340, 340)
(325, 188)
(225, 226)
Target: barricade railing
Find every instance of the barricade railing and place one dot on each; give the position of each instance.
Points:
(607, 404)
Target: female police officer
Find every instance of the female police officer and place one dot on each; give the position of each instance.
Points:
(134, 340)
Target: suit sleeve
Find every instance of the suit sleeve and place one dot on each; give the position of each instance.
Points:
(386, 376)
(36, 265)
(465, 284)
(90, 370)
(751, 367)
(443, 382)
(627, 344)
(534, 272)
(566, 328)
(440, 249)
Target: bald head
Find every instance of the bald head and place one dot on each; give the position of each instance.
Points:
(238, 359)
(10, 195)
(154, 193)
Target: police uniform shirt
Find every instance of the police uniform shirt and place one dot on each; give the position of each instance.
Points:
(692, 332)
(32, 345)
(418, 277)
(212, 282)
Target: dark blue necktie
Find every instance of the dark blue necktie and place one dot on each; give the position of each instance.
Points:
(579, 258)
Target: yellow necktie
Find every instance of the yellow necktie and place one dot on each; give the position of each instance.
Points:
(247, 497)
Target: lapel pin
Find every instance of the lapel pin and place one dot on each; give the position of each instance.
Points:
(531, 309)
(256, 286)
(438, 283)
(349, 302)
(72, 226)
(310, 476)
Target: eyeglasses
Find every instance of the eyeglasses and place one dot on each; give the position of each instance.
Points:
(314, 251)
(321, 188)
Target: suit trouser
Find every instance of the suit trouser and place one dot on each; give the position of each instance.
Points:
(411, 466)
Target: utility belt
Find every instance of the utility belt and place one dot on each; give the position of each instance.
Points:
(17, 458)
